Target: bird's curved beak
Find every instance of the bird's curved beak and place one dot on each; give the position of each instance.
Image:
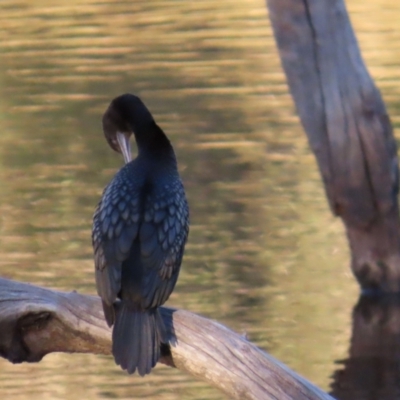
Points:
(124, 145)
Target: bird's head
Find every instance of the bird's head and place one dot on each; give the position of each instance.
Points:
(124, 116)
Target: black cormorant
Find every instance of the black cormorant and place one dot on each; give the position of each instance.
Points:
(140, 229)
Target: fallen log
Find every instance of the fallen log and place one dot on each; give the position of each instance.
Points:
(35, 321)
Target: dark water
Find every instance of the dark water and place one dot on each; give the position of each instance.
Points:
(264, 255)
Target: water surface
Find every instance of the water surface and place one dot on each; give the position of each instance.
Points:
(264, 256)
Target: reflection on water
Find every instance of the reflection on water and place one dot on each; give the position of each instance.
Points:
(372, 369)
(264, 254)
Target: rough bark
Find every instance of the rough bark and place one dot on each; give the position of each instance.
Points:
(35, 321)
(372, 370)
(348, 129)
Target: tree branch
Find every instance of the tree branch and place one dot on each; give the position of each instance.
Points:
(35, 321)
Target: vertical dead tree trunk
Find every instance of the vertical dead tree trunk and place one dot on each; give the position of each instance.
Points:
(348, 129)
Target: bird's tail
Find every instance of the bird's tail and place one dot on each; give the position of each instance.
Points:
(136, 338)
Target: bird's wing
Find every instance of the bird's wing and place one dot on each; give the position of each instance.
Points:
(115, 227)
(162, 236)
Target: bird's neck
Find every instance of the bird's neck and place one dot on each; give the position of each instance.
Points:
(152, 142)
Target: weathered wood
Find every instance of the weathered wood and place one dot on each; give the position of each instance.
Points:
(35, 321)
(348, 129)
(372, 370)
